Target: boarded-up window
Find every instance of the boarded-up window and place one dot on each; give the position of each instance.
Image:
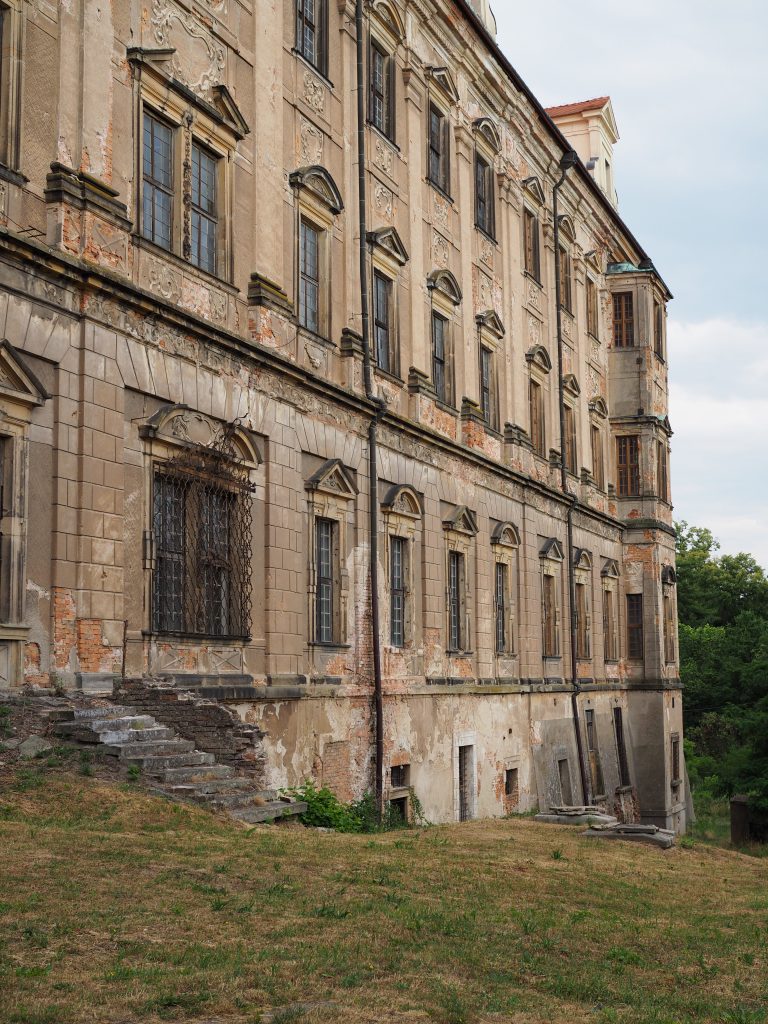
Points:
(439, 141)
(669, 626)
(635, 639)
(550, 617)
(628, 465)
(593, 754)
(592, 310)
(440, 370)
(569, 417)
(484, 198)
(662, 478)
(536, 409)
(621, 747)
(566, 287)
(658, 329)
(531, 244)
(583, 622)
(488, 388)
(610, 631)
(623, 320)
(598, 462)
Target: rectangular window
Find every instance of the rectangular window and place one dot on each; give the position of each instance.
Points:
(382, 90)
(439, 149)
(311, 19)
(582, 622)
(456, 584)
(157, 185)
(566, 291)
(325, 563)
(570, 439)
(309, 276)
(531, 244)
(610, 629)
(488, 388)
(382, 322)
(635, 639)
(484, 196)
(439, 357)
(500, 600)
(621, 747)
(623, 320)
(204, 212)
(399, 776)
(550, 631)
(592, 310)
(658, 329)
(593, 754)
(466, 783)
(536, 410)
(675, 752)
(628, 466)
(398, 569)
(669, 628)
(511, 784)
(598, 463)
(662, 480)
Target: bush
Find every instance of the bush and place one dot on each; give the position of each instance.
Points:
(325, 810)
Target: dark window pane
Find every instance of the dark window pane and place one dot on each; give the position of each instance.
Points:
(157, 187)
(324, 540)
(309, 277)
(397, 574)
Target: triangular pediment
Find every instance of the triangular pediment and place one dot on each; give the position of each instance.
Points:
(507, 535)
(229, 110)
(566, 227)
(16, 379)
(552, 549)
(404, 501)
(595, 260)
(582, 559)
(538, 356)
(442, 78)
(462, 520)
(485, 126)
(490, 321)
(389, 17)
(571, 385)
(444, 281)
(319, 182)
(534, 191)
(599, 407)
(333, 478)
(390, 241)
(666, 426)
(610, 569)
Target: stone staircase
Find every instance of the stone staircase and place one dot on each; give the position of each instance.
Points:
(176, 768)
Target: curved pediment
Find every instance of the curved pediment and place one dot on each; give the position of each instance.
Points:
(595, 259)
(403, 500)
(319, 182)
(389, 15)
(485, 126)
(552, 549)
(333, 478)
(389, 240)
(538, 356)
(180, 425)
(443, 281)
(668, 575)
(507, 535)
(462, 519)
(598, 407)
(571, 385)
(490, 321)
(534, 191)
(443, 79)
(566, 227)
(582, 559)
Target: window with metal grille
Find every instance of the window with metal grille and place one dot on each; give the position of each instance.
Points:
(201, 526)
(598, 462)
(623, 320)
(531, 244)
(662, 479)
(456, 639)
(382, 326)
(621, 747)
(592, 310)
(570, 439)
(610, 630)
(325, 596)
(658, 329)
(204, 212)
(583, 646)
(635, 639)
(551, 639)
(157, 184)
(382, 80)
(439, 148)
(500, 600)
(488, 388)
(566, 286)
(536, 410)
(628, 466)
(311, 32)
(440, 378)
(484, 198)
(398, 554)
(399, 775)
(309, 276)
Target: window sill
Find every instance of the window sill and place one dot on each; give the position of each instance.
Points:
(332, 646)
(382, 135)
(388, 375)
(13, 177)
(624, 789)
(446, 407)
(486, 234)
(140, 242)
(532, 277)
(319, 339)
(316, 70)
(459, 654)
(593, 336)
(439, 189)
(552, 657)
(156, 634)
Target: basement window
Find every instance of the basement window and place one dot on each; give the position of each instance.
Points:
(400, 775)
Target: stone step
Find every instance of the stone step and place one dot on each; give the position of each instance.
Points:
(201, 773)
(158, 764)
(205, 791)
(270, 811)
(111, 711)
(126, 736)
(159, 748)
(123, 722)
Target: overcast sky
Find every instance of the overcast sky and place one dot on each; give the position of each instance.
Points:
(689, 87)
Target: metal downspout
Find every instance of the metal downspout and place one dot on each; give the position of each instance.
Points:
(373, 479)
(568, 160)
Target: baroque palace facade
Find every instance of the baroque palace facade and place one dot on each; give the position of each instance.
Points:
(404, 504)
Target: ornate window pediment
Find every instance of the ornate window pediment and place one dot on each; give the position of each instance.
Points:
(552, 549)
(534, 191)
(538, 356)
(582, 559)
(402, 500)
(462, 520)
(610, 569)
(491, 321)
(16, 380)
(595, 260)
(389, 240)
(332, 478)
(180, 425)
(571, 385)
(666, 426)
(566, 227)
(318, 181)
(443, 79)
(443, 281)
(668, 575)
(485, 126)
(599, 407)
(506, 535)
(389, 17)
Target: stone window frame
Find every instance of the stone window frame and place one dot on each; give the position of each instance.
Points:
(322, 36)
(551, 560)
(332, 495)
(388, 258)
(533, 203)
(570, 443)
(598, 417)
(505, 550)
(318, 202)
(567, 233)
(12, 24)
(445, 300)
(592, 307)
(582, 574)
(402, 517)
(487, 150)
(609, 575)
(539, 367)
(490, 336)
(386, 32)
(21, 393)
(460, 529)
(442, 97)
(165, 435)
(216, 126)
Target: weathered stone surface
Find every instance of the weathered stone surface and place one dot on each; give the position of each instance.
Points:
(32, 746)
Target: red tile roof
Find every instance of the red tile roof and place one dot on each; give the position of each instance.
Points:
(577, 108)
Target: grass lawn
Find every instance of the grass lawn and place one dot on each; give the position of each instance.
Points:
(118, 907)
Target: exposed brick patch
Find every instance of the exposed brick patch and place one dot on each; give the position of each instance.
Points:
(32, 659)
(64, 628)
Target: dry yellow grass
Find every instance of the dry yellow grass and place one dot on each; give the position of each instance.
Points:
(118, 907)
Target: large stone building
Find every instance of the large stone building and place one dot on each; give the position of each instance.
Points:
(210, 429)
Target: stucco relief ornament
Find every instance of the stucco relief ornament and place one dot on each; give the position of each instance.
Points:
(382, 156)
(218, 307)
(440, 211)
(310, 144)
(383, 200)
(567, 326)
(314, 92)
(534, 330)
(165, 18)
(486, 254)
(163, 281)
(314, 355)
(440, 252)
(534, 299)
